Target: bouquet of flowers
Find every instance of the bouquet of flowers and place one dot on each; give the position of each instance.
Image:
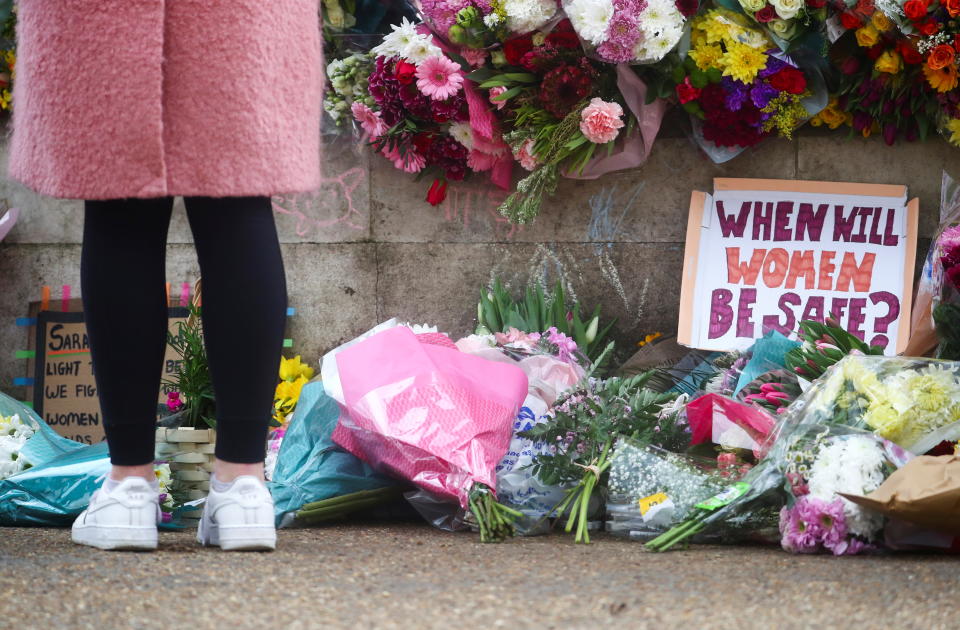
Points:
(477, 24)
(823, 346)
(882, 88)
(582, 429)
(14, 433)
(786, 20)
(738, 88)
(629, 31)
(946, 314)
(348, 83)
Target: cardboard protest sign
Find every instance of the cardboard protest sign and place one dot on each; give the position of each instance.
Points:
(765, 254)
(64, 391)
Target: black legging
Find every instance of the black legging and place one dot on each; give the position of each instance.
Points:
(123, 279)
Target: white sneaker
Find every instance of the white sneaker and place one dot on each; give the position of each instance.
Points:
(124, 518)
(240, 518)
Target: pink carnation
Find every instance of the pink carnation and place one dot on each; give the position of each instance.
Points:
(525, 155)
(369, 120)
(600, 121)
(439, 78)
(479, 161)
(474, 57)
(494, 93)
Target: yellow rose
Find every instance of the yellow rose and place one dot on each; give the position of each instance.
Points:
(889, 62)
(881, 22)
(867, 36)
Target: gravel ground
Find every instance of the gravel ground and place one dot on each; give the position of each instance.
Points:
(411, 576)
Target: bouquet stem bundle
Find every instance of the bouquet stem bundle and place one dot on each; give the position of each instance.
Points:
(337, 508)
(578, 498)
(495, 520)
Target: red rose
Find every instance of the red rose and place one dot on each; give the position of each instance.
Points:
(929, 27)
(850, 21)
(909, 53)
(766, 14)
(789, 80)
(875, 51)
(686, 92)
(850, 65)
(405, 72)
(437, 192)
(516, 48)
(865, 7)
(563, 39)
(915, 9)
(816, 4)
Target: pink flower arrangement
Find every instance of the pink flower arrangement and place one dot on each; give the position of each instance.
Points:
(525, 155)
(439, 78)
(517, 337)
(600, 121)
(474, 57)
(369, 120)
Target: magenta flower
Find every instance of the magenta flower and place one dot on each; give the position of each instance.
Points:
(439, 78)
(174, 403)
(369, 120)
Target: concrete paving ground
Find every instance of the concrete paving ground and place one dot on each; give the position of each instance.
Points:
(411, 576)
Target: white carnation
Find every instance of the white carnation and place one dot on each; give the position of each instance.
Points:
(524, 16)
(462, 133)
(656, 48)
(590, 19)
(660, 16)
(787, 9)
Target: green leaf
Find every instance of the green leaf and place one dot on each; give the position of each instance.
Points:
(508, 94)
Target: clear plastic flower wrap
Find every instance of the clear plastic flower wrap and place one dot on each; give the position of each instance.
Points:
(652, 489)
(845, 435)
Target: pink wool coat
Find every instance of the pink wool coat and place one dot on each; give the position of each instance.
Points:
(148, 98)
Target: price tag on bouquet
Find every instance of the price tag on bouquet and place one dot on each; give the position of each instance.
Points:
(657, 509)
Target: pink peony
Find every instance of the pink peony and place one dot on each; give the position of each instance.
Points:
(369, 120)
(525, 155)
(439, 78)
(494, 93)
(474, 57)
(600, 121)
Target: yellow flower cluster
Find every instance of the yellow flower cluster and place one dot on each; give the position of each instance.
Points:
(952, 127)
(832, 116)
(722, 39)
(294, 374)
(787, 114)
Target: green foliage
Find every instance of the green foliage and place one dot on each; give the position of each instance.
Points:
(536, 312)
(824, 345)
(192, 377)
(947, 318)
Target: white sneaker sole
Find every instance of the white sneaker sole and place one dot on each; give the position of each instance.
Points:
(117, 538)
(245, 538)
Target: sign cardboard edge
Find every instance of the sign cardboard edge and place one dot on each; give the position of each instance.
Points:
(691, 254)
(909, 266)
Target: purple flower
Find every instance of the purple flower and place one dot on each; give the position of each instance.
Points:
(166, 517)
(623, 30)
(736, 94)
(613, 52)
(796, 533)
(773, 66)
(762, 93)
(566, 346)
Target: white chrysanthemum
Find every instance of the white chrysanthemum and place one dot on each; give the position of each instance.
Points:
(396, 40)
(462, 133)
(420, 49)
(14, 433)
(590, 19)
(491, 20)
(852, 465)
(656, 48)
(524, 16)
(658, 17)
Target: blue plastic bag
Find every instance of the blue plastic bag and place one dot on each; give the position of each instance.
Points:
(310, 467)
(62, 477)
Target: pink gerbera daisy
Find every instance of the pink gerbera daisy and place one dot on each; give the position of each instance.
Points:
(439, 78)
(369, 120)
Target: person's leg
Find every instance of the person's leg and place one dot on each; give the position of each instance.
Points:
(244, 302)
(122, 275)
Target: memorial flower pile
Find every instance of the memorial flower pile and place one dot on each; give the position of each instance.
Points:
(629, 31)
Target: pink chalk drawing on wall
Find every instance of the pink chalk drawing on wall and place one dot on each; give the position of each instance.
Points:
(331, 205)
(470, 204)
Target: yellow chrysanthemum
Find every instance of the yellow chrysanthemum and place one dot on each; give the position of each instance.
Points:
(953, 126)
(742, 62)
(707, 56)
(718, 27)
(942, 80)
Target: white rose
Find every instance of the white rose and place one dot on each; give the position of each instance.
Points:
(753, 5)
(787, 9)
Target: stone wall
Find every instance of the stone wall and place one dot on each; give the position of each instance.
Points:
(367, 247)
